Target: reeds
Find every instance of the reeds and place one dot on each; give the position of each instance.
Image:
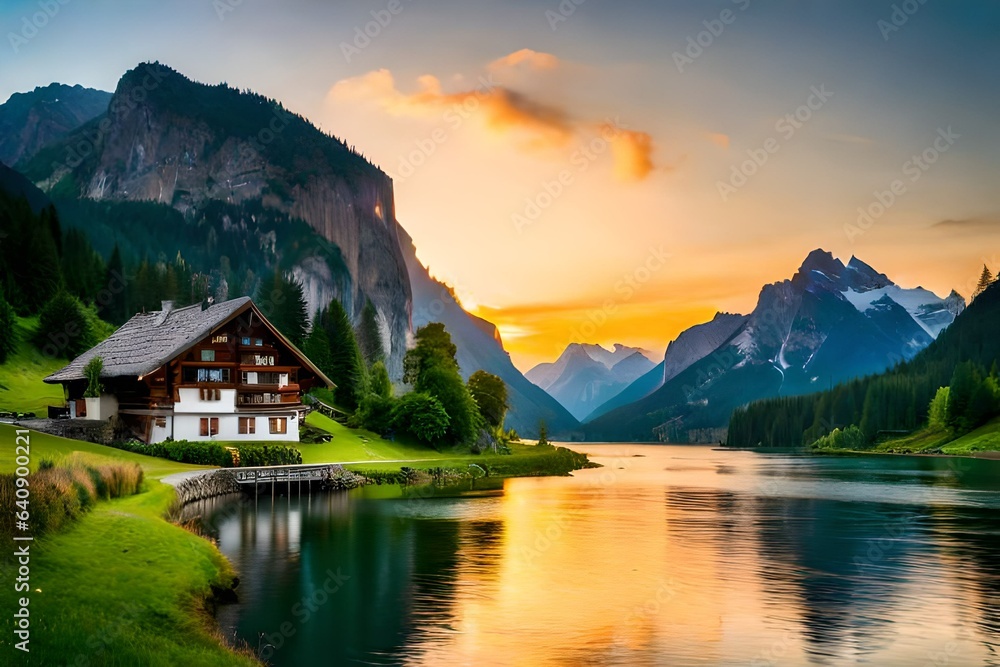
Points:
(58, 495)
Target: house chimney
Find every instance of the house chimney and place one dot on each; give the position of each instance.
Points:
(165, 308)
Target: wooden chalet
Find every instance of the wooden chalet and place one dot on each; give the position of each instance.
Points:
(217, 373)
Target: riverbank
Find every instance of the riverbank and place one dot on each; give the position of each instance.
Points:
(983, 442)
(121, 585)
(125, 582)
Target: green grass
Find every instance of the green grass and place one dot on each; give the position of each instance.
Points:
(986, 438)
(21, 386)
(122, 586)
(357, 445)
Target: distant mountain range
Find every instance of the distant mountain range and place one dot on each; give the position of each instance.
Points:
(829, 323)
(29, 121)
(585, 376)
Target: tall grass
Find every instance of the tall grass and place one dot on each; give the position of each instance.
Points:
(61, 494)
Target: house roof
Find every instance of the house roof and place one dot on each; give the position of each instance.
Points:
(149, 340)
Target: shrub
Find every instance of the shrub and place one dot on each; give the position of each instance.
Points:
(422, 416)
(268, 455)
(850, 438)
(374, 414)
(92, 371)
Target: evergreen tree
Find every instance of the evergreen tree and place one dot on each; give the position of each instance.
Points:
(281, 300)
(379, 383)
(543, 433)
(985, 280)
(317, 348)
(347, 367)
(8, 329)
(40, 276)
(64, 330)
(118, 309)
(369, 335)
(963, 385)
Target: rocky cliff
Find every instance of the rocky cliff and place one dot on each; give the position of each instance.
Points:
(170, 140)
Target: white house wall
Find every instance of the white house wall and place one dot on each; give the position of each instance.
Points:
(188, 427)
(190, 401)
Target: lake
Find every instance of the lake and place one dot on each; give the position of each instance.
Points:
(667, 555)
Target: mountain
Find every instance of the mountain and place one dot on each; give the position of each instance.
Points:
(829, 323)
(691, 346)
(897, 400)
(585, 376)
(480, 348)
(239, 182)
(31, 120)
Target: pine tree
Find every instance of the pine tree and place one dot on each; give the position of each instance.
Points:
(347, 367)
(8, 330)
(369, 335)
(117, 309)
(317, 348)
(985, 280)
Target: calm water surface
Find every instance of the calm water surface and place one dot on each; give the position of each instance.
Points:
(666, 556)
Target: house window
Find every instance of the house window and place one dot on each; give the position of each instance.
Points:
(209, 426)
(208, 355)
(246, 340)
(206, 375)
(161, 422)
(211, 394)
(258, 342)
(278, 425)
(248, 425)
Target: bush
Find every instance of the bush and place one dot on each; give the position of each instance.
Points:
(375, 414)
(422, 416)
(850, 438)
(92, 371)
(267, 455)
(182, 451)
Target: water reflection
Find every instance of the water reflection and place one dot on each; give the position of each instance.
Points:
(667, 555)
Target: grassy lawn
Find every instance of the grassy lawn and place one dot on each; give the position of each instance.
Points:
(986, 438)
(122, 586)
(356, 445)
(21, 386)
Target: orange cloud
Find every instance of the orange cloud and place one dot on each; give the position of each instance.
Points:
(719, 139)
(534, 59)
(633, 155)
(536, 124)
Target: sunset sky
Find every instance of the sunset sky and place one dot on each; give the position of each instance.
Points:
(584, 175)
